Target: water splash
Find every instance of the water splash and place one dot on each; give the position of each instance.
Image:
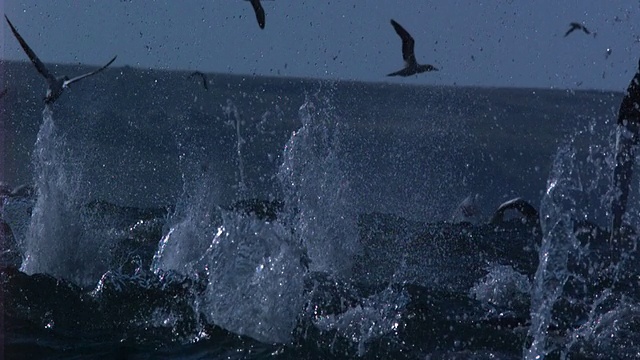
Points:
(611, 328)
(255, 279)
(254, 276)
(191, 227)
(191, 231)
(377, 316)
(16, 213)
(252, 271)
(582, 286)
(56, 241)
(557, 215)
(320, 204)
(234, 119)
(502, 288)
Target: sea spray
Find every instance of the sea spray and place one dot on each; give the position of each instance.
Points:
(15, 214)
(582, 285)
(255, 279)
(56, 243)
(191, 227)
(610, 328)
(502, 290)
(558, 212)
(320, 206)
(235, 120)
(377, 316)
(253, 269)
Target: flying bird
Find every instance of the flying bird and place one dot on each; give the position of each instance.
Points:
(205, 81)
(56, 84)
(411, 65)
(257, 7)
(576, 26)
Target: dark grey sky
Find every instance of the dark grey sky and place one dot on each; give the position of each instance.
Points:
(486, 43)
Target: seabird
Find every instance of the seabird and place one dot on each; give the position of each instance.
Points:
(56, 84)
(468, 210)
(411, 65)
(205, 81)
(527, 210)
(576, 26)
(257, 7)
(3, 93)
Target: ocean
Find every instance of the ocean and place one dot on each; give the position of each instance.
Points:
(270, 217)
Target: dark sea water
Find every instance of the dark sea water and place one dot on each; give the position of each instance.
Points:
(292, 218)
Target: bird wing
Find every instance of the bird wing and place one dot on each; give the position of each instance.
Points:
(408, 43)
(584, 28)
(78, 78)
(32, 56)
(257, 7)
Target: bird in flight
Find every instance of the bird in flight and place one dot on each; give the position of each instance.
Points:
(576, 26)
(257, 7)
(56, 84)
(411, 66)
